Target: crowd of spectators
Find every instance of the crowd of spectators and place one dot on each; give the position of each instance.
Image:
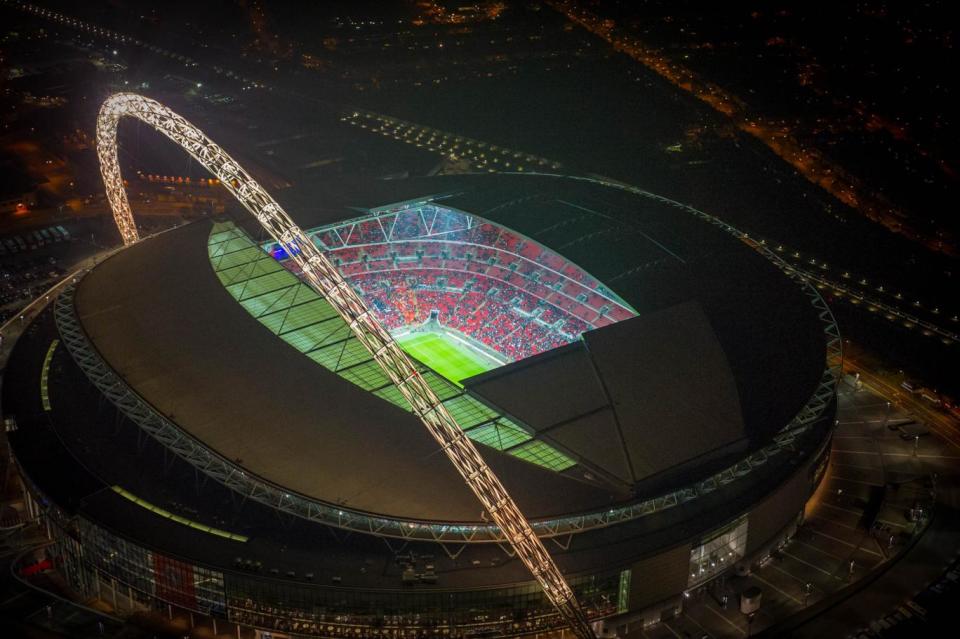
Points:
(436, 264)
(551, 286)
(509, 320)
(436, 234)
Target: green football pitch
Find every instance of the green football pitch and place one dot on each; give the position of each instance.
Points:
(444, 355)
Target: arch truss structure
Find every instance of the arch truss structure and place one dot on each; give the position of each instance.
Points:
(323, 277)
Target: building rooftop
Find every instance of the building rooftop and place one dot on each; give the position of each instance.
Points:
(724, 353)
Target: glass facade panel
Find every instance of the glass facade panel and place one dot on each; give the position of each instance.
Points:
(468, 412)
(368, 376)
(498, 435)
(99, 564)
(258, 285)
(242, 257)
(151, 574)
(539, 453)
(307, 314)
(718, 551)
(623, 592)
(263, 304)
(247, 270)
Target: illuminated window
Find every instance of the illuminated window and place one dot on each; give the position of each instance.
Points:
(717, 552)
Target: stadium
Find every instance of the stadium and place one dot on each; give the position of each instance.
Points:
(208, 438)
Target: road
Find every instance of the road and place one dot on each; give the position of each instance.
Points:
(888, 385)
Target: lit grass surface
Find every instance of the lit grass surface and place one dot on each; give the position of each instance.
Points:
(443, 354)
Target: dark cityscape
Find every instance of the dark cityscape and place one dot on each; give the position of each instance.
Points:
(427, 319)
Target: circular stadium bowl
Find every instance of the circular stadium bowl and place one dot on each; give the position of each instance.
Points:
(203, 433)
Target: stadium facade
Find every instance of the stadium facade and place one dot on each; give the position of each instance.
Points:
(203, 433)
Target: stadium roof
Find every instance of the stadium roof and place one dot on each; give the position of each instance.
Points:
(653, 255)
(642, 397)
(724, 353)
(160, 317)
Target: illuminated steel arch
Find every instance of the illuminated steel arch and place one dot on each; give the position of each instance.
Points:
(324, 278)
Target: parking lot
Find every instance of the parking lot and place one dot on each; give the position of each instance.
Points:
(860, 517)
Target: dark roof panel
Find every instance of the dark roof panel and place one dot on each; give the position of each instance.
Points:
(631, 400)
(670, 385)
(596, 437)
(544, 390)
